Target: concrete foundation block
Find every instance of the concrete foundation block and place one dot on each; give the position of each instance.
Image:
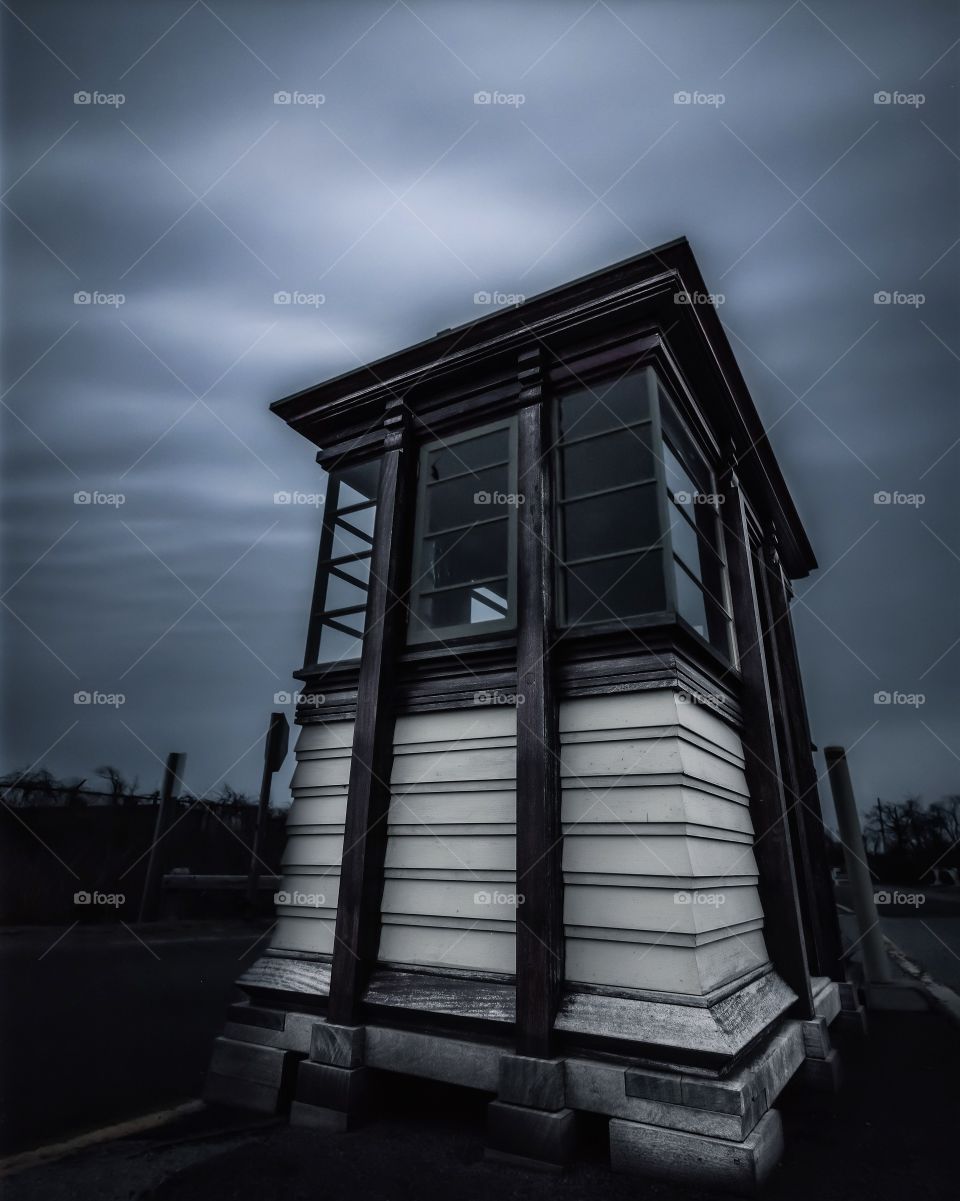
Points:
(710, 1163)
(536, 1083)
(249, 1076)
(342, 1090)
(816, 1038)
(339, 1046)
(532, 1137)
(822, 1074)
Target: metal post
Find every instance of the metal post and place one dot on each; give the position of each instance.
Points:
(150, 898)
(875, 961)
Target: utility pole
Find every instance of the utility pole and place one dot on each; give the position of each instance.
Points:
(883, 834)
(172, 776)
(274, 753)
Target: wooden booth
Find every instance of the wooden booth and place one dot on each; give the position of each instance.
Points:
(555, 830)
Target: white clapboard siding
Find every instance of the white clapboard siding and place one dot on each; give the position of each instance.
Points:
(659, 871)
(448, 897)
(310, 885)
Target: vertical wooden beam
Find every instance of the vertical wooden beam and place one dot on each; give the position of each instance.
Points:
(783, 924)
(540, 941)
(810, 828)
(368, 793)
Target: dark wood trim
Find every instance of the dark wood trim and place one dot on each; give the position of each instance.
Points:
(808, 830)
(783, 924)
(368, 795)
(540, 940)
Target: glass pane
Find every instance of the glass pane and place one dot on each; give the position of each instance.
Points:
(469, 498)
(606, 462)
(465, 606)
(627, 586)
(682, 487)
(685, 542)
(335, 646)
(469, 455)
(341, 595)
(345, 541)
(605, 524)
(479, 553)
(691, 603)
(607, 406)
(358, 483)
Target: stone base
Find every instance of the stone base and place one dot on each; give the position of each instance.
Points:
(533, 1137)
(822, 1075)
(249, 1076)
(710, 1163)
(330, 1098)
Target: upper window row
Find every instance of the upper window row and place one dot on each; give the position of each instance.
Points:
(637, 534)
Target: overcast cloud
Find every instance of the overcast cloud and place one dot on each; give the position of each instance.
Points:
(398, 198)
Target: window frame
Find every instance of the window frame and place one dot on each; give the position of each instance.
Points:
(418, 633)
(329, 563)
(659, 393)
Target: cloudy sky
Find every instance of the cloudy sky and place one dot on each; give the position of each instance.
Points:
(182, 197)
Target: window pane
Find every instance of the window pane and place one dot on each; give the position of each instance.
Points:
(702, 612)
(627, 586)
(679, 483)
(358, 483)
(607, 461)
(336, 646)
(685, 542)
(468, 455)
(465, 606)
(607, 406)
(341, 595)
(615, 522)
(469, 498)
(463, 557)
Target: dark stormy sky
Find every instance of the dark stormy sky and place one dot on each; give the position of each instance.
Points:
(397, 198)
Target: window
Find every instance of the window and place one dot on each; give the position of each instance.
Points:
(700, 577)
(637, 527)
(343, 571)
(464, 578)
(608, 512)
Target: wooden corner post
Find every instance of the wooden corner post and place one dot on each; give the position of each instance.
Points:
(777, 885)
(539, 831)
(368, 794)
